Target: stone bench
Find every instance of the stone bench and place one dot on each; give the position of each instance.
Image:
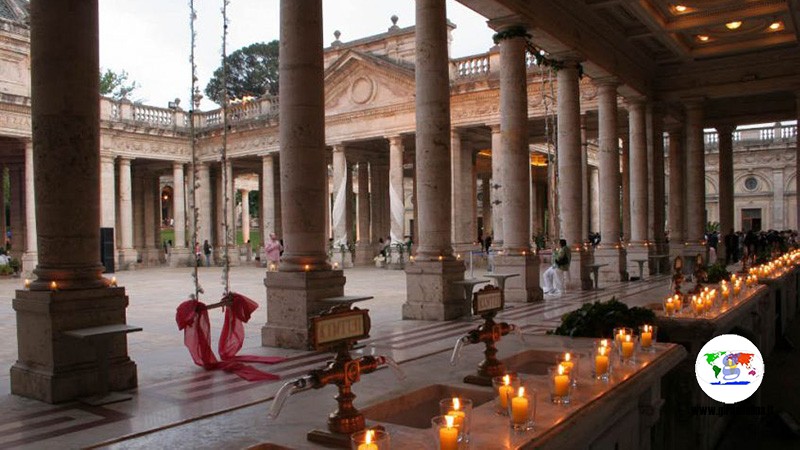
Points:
(99, 338)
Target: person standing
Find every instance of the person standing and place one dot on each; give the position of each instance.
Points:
(207, 252)
(273, 249)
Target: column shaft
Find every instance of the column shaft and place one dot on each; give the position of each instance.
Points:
(397, 205)
(463, 194)
(695, 175)
(638, 166)
(204, 222)
(179, 205)
(267, 195)
(363, 222)
(30, 257)
(108, 195)
(656, 167)
(726, 225)
(677, 189)
(569, 159)
(340, 173)
(16, 173)
(497, 187)
(245, 216)
(486, 204)
(514, 146)
(608, 169)
(626, 188)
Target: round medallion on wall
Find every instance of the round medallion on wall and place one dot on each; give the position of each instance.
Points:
(751, 183)
(362, 90)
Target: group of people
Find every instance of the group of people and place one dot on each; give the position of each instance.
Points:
(273, 249)
(752, 243)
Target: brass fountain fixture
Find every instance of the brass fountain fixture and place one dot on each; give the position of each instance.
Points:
(486, 303)
(336, 330)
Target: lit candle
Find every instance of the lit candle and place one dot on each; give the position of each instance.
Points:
(620, 336)
(27, 283)
(647, 336)
(567, 363)
(53, 286)
(457, 413)
(561, 381)
(627, 347)
(601, 361)
(519, 407)
(441, 257)
(368, 445)
(307, 267)
(604, 343)
(669, 306)
(113, 281)
(504, 391)
(448, 435)
(335, 265)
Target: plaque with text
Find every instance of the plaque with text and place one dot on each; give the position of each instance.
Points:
(339, 327)
(487, 300)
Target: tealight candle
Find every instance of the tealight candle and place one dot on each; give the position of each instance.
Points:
(519, 408)
(448, 435)
(457, 413)
(647, 336)
(627, 347)
(27, 283)
(601, 363)
(567, 363)
(669, 307)
(113, 281)
(504, 391)
(561, 383)
(53, 286)
(368, 438)
(307, 267)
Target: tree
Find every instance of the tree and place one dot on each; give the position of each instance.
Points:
(252, 71)
(116, 85)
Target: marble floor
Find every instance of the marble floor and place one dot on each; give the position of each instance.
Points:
(179, 405)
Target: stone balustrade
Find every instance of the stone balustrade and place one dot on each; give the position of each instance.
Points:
(471, 66)
(754, 136)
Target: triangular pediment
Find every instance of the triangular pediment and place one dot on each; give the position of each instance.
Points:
(359, 81)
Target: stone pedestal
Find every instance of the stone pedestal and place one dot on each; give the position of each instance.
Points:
(54, 368)
(180, 257)
(343, 258)
(616, 258)
(637, 251)
(525, 287)
(430, 294)
(127, 257)
(364, 253)
(579, 274)
(293, 297)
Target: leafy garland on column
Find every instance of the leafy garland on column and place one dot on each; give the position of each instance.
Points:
(194, 100)
(226, 169)
(540, 56)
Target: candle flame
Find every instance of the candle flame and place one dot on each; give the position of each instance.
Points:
(602, 351)
(506, 380)
(521, 392)
(560, 370)
(604, 343)
(567, 356)
(456, 403)
(307, 267)
(627, 338)
(449, 420)
(368, 439)
(53, 285)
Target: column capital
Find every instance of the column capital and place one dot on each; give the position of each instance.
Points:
(337, 147)
(637, 101)
(177, 164)
(395, 140)
(606, 83)
(725, 128)
(106, 158)
(494, 127)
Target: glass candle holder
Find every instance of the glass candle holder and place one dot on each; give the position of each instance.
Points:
(461, 410)
(504, 386)
(647, 337)
(560, 385)
(671, 307)
(570, 362)
(627, 350)
(445, 433)
(602, 362)
(522, 408)
(370, 440)
(620, 333)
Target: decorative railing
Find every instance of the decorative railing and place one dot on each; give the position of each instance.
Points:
(755, 136)
(472, 66)
(153, 115)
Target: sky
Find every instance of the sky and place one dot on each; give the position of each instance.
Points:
(150, 39)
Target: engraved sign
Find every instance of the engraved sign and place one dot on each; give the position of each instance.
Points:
(339, 327)
(488, 299)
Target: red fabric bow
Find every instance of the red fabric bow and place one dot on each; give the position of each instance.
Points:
(192, 317)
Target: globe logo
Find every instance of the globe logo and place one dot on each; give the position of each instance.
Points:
(729, 368)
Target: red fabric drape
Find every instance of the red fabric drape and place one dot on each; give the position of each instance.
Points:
(192, 317)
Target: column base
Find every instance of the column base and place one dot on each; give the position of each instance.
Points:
(126, 258)
(364, 254)
(233, 256)
(29, 262)
(579, 274)
(292, 297)
(465, 248)
(152, 256)
(525, 287)
(53, 368)
(616, 258)
(180, 257)
(430, 294)
(343, 259)
(638, 251)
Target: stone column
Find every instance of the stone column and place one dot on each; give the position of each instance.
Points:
(486, 204)
(778, 217)
(138, 214)
(570, 195)
(726, 221)
(397, 205)
(695, 179)
(677, 192)
(179, 206)
(463, 208)
(585, 178)
(379, 205)
(16, 173)
(267, 197)
(30, 257)
(305, 276)
(152, 201)
(65, 117)
(341, 252)
(656, 200)
(127, 254)
(637, 247)
(626, 188)
(245, 217)
(363, 244)
(517, 256)
(610, 251)
(205, 231)
(594, 199)
(3, 228)
(229, 194)
(108, 194)
(430, 294)
(497, 187)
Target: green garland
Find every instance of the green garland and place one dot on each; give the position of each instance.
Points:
(538, 55)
